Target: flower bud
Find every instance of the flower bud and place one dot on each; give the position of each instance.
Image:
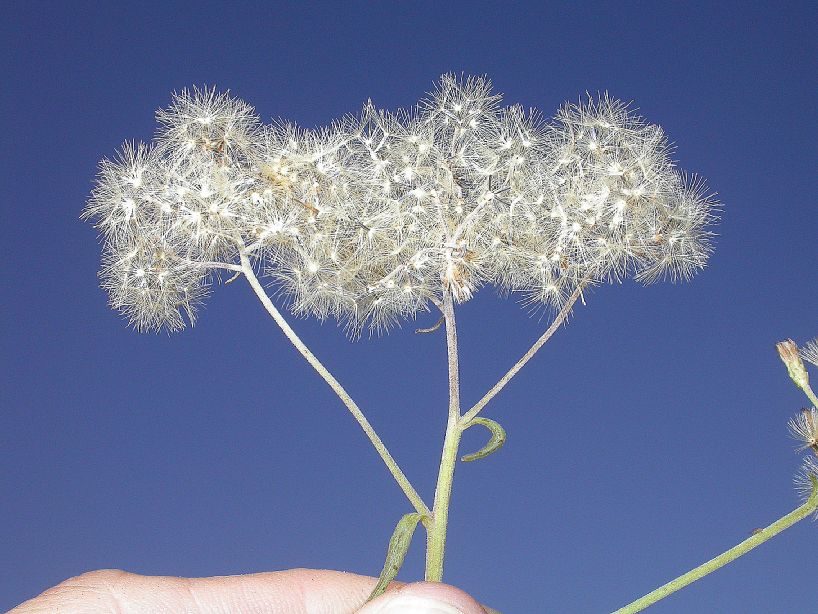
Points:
(788, 351)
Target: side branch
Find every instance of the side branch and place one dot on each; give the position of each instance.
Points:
(561, 316)
(390, 462)
(726, 557)
(218, 265)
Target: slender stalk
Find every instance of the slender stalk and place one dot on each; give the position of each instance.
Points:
(390, 462)
(561, 316)
(436, 531)
(730, 555)
(218, 265)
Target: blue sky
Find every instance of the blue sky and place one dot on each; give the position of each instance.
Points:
(647, 436)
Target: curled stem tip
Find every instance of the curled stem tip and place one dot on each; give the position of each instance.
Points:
(495, 442)
(432, 328)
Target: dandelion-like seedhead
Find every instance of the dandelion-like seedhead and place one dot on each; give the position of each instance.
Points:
(376, 216)
(804, 428)
(804, 425)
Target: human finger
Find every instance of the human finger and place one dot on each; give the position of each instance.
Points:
(296, 591)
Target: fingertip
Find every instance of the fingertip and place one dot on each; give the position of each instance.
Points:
(424, 598)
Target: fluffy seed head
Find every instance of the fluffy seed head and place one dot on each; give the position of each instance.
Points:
(374, 217)
(806, 478)
(201, 124)
(804, 427)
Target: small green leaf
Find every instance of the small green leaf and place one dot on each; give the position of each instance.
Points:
(498, 438)
(398, 545)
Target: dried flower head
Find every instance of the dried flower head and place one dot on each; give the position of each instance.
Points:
(806, 478)
(804, 427)
(788, 352)
(203, 125)
(378, 215)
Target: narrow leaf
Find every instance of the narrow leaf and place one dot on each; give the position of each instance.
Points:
(398, 545)
(498, 438)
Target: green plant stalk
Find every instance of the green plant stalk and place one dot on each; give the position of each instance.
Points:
(457, 423)
(391, 464)
(733, 553)
(436, 530)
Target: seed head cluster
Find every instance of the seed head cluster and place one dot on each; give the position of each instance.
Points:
(804, 426)
(374, 217)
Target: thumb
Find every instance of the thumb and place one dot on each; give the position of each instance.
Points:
(424, 598)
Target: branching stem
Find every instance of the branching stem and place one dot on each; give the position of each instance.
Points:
(400, 478)
(457, 423)
(217, 265)
(561, 317)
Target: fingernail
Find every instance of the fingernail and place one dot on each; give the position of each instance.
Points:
(414, 604)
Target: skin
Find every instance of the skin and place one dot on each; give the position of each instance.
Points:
(296, 591)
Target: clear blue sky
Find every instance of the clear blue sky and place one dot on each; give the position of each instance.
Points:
(647, 436)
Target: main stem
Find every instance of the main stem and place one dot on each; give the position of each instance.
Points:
(392, 465)
(726, 557)
(436, 531)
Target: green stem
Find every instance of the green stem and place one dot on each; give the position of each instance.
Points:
(436, 531)
(390, 462)
(730, 555)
